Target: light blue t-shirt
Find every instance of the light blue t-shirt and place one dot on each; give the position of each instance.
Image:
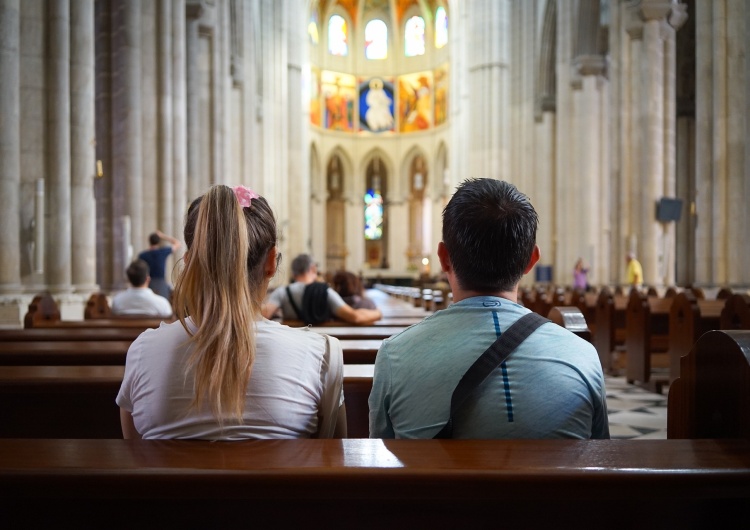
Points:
(552, 386)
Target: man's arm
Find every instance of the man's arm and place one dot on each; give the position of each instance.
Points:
(175, 243)
(268, 309)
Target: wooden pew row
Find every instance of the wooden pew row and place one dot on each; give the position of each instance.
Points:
(113, 353)
(689, 318)
(375, 483)
(609, 328)
(79, 401)
(647, 340)
(711, 398)
(403, 321)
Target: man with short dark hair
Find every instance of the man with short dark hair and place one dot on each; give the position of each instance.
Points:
(551, 386)
(139, 299)
(298, 300)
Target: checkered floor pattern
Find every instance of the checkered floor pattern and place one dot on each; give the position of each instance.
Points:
(635, 413)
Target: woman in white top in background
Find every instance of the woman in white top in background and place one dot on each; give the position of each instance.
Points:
(223, 372)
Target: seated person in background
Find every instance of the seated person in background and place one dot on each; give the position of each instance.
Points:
(156, 256)
(313, 302)
(348, 285)
(139, 299)
(222, 372)
(552, 386)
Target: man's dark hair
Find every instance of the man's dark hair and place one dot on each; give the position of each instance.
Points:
(154, 239)
(301, 264)
(137, 273)
(489, 230)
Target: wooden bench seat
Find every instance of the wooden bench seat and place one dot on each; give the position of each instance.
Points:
(66, 334)
(375, 483)
(83, 352)
(79, 401)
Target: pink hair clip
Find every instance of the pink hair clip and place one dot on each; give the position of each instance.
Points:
(244, 195)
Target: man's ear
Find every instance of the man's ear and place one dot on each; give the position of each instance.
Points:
(535, 255)
(445, 259)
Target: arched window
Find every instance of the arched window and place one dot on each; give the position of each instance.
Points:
(376, 39)
(441, 28)
(414, 37)
(373, 214)
(338, 36)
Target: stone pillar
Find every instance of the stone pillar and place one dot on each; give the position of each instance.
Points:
(151, 101)
(565, 228)
(58, 242)
(488, 83)
(129, 159)
(738, 185)
(179, 118)
(83, 207)
(193, 12)
(10, 148)
(164, 105)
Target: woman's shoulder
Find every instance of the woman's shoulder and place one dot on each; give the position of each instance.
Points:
(304, 336)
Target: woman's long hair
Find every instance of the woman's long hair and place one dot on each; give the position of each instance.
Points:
(221, 290)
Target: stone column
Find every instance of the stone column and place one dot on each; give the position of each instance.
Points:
(58, 242)
(738, 185)
(83, 156)
(10, 148)
(129, 161)
(193, 12)
(179, 117)
(164, 106)
(489, 131)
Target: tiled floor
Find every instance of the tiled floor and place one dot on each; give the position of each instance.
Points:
(635, 413)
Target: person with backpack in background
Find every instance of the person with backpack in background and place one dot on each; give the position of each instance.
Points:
(313, 302)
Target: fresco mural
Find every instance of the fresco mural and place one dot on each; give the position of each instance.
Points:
(415, 102)
(339, 93)
(315, 113)
(442, 83)
(376, 104)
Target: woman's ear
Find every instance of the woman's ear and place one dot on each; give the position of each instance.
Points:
(271, 262)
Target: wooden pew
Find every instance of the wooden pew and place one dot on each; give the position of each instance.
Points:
(711, 398)
(647, 340)
(571, 319)
(43, 313)
(609, 330)
(736, 312)
(689, 318)
(70, 333)
(79, 401)
(359, 332)
(383, 322)
(375, 483)
(95, 353)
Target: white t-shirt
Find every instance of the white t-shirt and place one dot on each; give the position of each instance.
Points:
(297, 375)
(141, 301)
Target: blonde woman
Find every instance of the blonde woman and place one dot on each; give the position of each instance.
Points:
(222, 371)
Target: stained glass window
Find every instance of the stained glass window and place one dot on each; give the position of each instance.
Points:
(414, 37)
(373, 215)
(376, 40)
(337, 36)
(441, 28)
(312, 30)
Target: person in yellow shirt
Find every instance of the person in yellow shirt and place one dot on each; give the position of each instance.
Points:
(634, 270)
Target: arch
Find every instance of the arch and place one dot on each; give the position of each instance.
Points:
(405, 168)
(394, 192)
(441, 185)
(337, 10)
(348, 179)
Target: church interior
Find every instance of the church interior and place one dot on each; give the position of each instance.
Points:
(625, 122)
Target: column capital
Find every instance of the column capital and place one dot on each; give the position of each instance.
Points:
(590, 65)
(671, 12)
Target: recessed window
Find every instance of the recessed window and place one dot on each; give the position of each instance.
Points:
(338, 36)
(441, 28)
(376, 40)
(414, 37)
